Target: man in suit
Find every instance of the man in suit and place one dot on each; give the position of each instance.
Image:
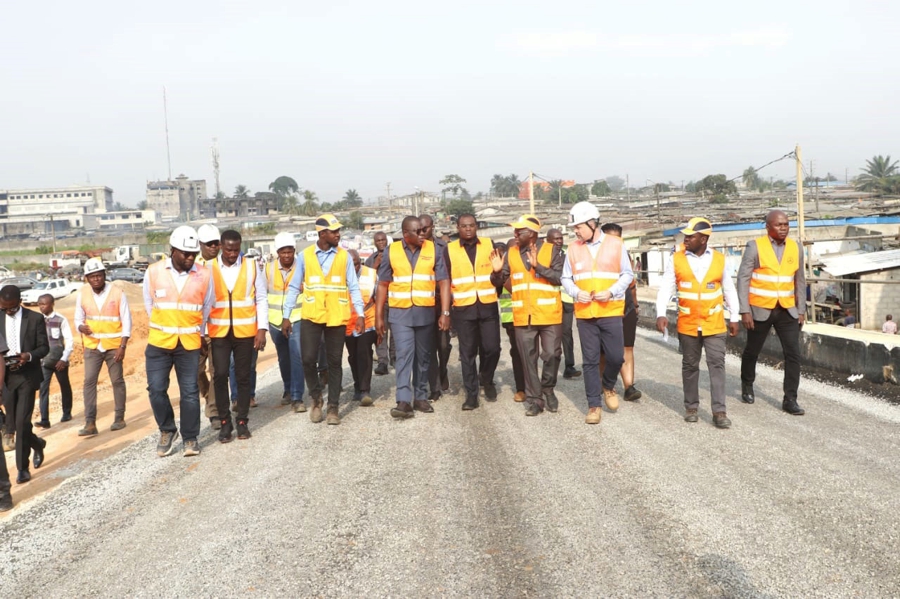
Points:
(27, 338)
(6, 502)
(771, 288)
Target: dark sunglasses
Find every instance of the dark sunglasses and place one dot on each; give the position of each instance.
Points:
(211, 243)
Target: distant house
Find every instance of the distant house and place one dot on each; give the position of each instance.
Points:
(872, 300)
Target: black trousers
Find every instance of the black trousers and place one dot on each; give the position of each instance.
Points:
(65, 388)
(359, 354)
(568, 341)
(18, 399)
(4, 478)
(311, 336)
(788, 330)
(222, 350)
(440, 355)
(471, 335)
(514, 356)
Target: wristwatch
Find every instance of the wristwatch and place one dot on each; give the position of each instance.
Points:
(445, 313)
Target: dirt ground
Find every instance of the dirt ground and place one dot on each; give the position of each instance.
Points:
(67, 453)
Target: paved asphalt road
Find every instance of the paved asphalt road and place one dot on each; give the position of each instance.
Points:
(490, 503)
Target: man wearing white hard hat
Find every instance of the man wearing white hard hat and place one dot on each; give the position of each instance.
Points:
(279, 274)
(178, 298)
(597, 273)
(209, 251)
(104, 321)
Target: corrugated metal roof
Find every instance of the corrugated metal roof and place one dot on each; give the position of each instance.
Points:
(839, 266)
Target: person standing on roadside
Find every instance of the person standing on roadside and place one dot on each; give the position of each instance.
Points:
(279, 274)
(533, 269)
(384, 356)
(359, 345)
(597, 273)
(699, 278)
(210, 241)
(178, 298)
(237, 327)
(438, 381)
(771, 287)
(555, 237)
(407, 277)
(329, 286)
(59, 335)
(474, 314)
(103, 318)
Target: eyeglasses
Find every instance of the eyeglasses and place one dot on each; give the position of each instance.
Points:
(416, 232)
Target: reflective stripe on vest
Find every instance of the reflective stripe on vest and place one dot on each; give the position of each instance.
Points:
(773, 283)
(700, 304)
(467, 281)
(277, 287)
(235, 310)
(326, 299)
(534, 301)
(176, 316)
(367, 282)
(410, 286)
(506, 310)
(597, 274)
(104, 322)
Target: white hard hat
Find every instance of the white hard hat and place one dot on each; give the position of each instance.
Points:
(284, 240)
(207, 233)
(93, 265)
(582, 212)
(184, 238)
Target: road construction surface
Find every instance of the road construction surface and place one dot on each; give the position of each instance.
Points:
(489, 503)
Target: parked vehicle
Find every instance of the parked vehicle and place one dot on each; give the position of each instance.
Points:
(22, 283)
(58, 288)
(132, 275)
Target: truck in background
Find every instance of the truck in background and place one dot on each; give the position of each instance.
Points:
(135, 256)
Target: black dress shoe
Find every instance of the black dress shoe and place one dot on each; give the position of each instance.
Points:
(381, 369)
(434, 396)
(422, 405)
(42, 424)
(792, 407)
(470, 405)
(6, 503)
(24, 477)
(38, 457)
(490, 392)
(533, 410)
(571, 373)
(65, 418)
(747, 393)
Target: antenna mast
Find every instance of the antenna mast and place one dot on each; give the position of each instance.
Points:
(215, 162)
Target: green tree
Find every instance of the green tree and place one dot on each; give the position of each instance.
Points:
(326, 207)
(354, 220)
(750, 178)
(691, 187)
(717, 188)
(310, 203)
(452, 184)
(119, 207)
(241, 192)
(876, 175)
(457, 207)
(157, 236)
(284, 187)
(290, 205)
(601, 188)
(142, 205)
(352, 199)
(616, 183)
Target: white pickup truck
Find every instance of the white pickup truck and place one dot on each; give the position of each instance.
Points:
(58, 288)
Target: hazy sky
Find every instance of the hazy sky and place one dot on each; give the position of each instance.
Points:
(356, 94)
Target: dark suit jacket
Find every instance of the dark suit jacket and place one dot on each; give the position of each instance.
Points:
(32, 339)
(749, 263)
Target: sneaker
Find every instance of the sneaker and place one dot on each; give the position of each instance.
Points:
(166, 443)
(612, 399)
(632, 394)
(286, 399)
(118, 424)
(519, 397)
(366, 400)
(571, 373)
(298, 406)
(243, 432)
(721, 420)
(225, 430)
(89, 430)
(594, 415)
(333, 417)
(690, 416)
(191, 448)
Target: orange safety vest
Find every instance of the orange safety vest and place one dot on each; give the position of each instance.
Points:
(105, 322)
(326, 299)
(412, 287)
(277, 287)
(700, 304)
(534, 300)
(597, 274)
(467, 281)
(235, 310)
(176, 316)
(773, 283)
(367, 282)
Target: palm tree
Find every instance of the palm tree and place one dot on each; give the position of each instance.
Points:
(242, 192)
(352, 199)
(750, 178)
(311, 204)
(876, 175)
(290, 204)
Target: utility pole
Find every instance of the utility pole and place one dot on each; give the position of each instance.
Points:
(559, 203)
(658, 210)
(801, 219)
(531, 192)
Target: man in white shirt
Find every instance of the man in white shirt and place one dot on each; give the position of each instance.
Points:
(702, 280)
(59, 335)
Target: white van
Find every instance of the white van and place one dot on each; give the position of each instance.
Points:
(312, 236)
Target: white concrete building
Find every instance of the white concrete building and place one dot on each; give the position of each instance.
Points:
(178, 198)
(25, 211)
(129, 220)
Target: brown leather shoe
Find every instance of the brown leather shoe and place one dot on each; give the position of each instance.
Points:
(612, 399)
(721, 420)
(366, 401)
(422, 405)
(594, 415)
(89, 430)
(315, 415)
(117, 425)
(690, 416)
(520, 396)
(403, 410)
(333, 417)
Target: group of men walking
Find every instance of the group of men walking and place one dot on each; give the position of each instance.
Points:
(210, 307)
